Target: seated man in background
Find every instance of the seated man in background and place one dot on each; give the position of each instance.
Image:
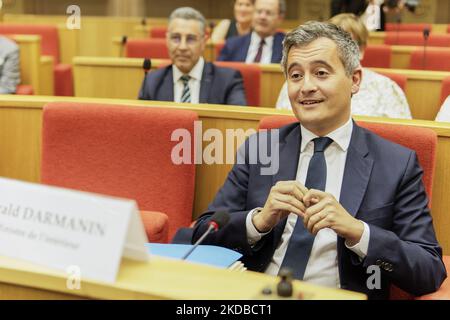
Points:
(189, 79)
(444, 112)
(9, 66)
(378, 95)
(264, 43)
(342, 201)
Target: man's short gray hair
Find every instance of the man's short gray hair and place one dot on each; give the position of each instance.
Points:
(303, 35)
(188, 13)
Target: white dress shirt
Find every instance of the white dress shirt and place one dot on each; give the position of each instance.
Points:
(378, 96)
(194, 83)
(444, 112)
(322, 267)
(254, 46)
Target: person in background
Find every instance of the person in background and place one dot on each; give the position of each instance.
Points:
(264, 43)
(239, 26)
(9, 66)
(378, 95)
(337, 201)
(444, 112)
(189, 79)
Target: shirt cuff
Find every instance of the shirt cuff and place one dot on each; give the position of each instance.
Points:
(253, 235)
(362, 246)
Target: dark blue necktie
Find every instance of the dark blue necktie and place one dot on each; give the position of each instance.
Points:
(300, 244)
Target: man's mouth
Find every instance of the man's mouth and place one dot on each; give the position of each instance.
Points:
(310, 102)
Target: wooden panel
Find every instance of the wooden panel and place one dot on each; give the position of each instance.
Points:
(20, 146)
(30, 53)
(47, 85)
(158, 278)
(122, 77)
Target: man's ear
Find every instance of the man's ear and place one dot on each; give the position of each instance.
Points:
(356, 80)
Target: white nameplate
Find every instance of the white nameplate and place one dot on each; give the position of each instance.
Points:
(61, 228)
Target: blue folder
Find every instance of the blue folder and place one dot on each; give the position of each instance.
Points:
(212, 255)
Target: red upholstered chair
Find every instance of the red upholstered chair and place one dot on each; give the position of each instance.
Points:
(377, 56)
(417, 27)
(251, 74)
(158, 32)
(448, 28)
(125, 152)
(424, 142)
(24, 89)
(416, 39)
(400, 79)
(437, 59)
(50, 47)
(147, 48)
(445, 91)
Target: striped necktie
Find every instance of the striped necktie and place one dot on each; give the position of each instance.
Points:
(186, 95)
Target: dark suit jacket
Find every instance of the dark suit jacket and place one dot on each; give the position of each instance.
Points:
(382, 185)
(236, 48)
(218, 86)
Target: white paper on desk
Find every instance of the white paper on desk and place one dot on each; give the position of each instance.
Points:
(60, 228)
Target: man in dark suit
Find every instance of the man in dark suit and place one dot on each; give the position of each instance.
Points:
(264, 43)
(380, 230)
(189, 79)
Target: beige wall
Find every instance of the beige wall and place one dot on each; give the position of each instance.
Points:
(432, 11)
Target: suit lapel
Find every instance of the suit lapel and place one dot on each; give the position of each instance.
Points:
(358, 168)
(277, 47)
(165, 92)
(289, 153)
(244, 49)
(206, 82)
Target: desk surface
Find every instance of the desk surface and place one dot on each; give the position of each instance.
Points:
(159, 278)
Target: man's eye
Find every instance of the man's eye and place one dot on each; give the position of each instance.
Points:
(295, 76)
(322, 73)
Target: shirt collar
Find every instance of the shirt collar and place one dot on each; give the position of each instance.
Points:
(341, 136)
(256, 39)
(195, 73)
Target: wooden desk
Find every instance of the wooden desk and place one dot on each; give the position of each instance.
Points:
(158, 278)
(20, 146)
(35, 70)
(121, 78)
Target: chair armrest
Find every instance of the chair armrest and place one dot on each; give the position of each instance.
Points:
(156, 226)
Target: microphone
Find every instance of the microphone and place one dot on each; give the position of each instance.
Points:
(147, 65)
(143, 22)
(218, 220)
(426, 35)
(123, 42)
(398, 20)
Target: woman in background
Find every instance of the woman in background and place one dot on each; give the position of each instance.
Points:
(240, 25)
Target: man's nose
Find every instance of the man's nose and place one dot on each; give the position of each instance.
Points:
(308, 85)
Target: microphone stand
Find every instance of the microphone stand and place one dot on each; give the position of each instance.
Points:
(426, 34)
(211, 227)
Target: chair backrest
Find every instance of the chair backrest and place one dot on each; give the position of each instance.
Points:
(417, 39)
(158, 32)
(120, 151)
(49, 36)
(251, 74)
(147, 48)
(24, 89)
(445, 91)
(417, 27)
(377, 56)
(437, 59)
(422, 140)
(400, 79)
